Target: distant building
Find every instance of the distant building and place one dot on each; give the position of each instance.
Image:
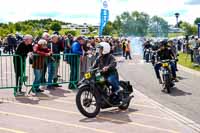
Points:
(84, 29)
(173, 29)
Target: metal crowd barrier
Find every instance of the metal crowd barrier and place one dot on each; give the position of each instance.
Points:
(11, 72)
(52, 70)
(38, 70)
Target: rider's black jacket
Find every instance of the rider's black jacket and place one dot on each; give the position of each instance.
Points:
(104, 61)
(147, 46)
(165, 54)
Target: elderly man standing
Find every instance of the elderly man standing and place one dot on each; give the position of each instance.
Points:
(20, 61)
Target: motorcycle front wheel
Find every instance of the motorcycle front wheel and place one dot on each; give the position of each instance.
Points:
(167, 83)
(88, 102)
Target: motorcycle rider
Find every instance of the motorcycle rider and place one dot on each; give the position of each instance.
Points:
(107, 63)
(146, 45)
(165, 53)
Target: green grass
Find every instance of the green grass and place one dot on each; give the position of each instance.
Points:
(185, 60)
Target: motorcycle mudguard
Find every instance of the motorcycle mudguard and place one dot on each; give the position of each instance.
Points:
(82, 85)
(127, 85)
(89, 85)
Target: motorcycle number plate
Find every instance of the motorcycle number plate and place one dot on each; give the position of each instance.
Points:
(87, 75)
(165, 64)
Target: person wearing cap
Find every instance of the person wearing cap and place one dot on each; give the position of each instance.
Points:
(165, 53)
(39, 61)
(53, 63)
(19, 61)
(77, 49)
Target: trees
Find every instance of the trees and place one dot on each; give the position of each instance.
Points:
(197, 20)
(34, 27)
(108, 29)
(18, 27)
(72, 32)
(91, 29)
(55, 26)
(134, 23)
(139, 24)
(158, 27)
(188, 28)
(117, 25)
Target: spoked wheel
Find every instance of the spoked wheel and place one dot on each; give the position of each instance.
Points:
(124, 89)
(88, 102)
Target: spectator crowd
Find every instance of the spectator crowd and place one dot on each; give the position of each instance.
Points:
(45, 56)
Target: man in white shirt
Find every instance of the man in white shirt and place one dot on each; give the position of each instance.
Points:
(192, 43)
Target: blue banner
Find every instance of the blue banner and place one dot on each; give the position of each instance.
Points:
(198, 30)
(104, 16)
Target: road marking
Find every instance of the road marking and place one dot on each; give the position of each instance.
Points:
(152, 116)
(185, 121)
(147, 115)
(11, 130)
(179, 118)
(110, 119)
(59, 100)
(54, 122)
(141, 114)
(140, 105)
(138, 124)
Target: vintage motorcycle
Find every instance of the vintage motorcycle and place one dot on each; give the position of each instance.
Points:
(168, 82)
(94, 93)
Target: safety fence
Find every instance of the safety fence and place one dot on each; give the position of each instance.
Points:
(37, 70)
(9, 65)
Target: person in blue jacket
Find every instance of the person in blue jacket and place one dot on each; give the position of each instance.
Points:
(73, 61)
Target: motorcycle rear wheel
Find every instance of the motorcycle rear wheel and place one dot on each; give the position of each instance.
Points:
(125, 105)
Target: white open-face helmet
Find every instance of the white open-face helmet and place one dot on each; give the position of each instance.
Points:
(106, 47)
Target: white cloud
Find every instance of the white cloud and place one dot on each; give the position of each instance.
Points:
(80, 11)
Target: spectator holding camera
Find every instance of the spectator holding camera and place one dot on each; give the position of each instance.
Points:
(56, 47)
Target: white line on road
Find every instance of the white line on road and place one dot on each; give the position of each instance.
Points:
(99, 117)
(55, 122)
(173, 114)
(11, 130)
(185, 121)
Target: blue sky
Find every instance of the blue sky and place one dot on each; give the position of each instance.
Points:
(80, 11)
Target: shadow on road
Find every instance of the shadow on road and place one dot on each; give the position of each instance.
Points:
(32, 100)
(59, 92)
(114, 116)
(181, 78)
(176, 92)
